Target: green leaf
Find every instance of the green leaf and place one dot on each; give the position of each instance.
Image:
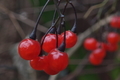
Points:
(89, 77)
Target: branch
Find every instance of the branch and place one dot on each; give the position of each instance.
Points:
(24, 19)
(94, 7)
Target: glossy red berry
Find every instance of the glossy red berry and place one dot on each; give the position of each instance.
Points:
(29, 49)
(102, 45)
(115, 22)
(95, 61)
(113, 38)
(112, 47)
(99, 53)
(57, 60)
(71, 39)
(50, 42)
(38, 63)
(50, 71)
(90, 44)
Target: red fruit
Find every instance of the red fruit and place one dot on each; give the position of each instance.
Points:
(57, 60)
(102, 45)
(90, 44)
(48, 69)
(99, 53)
(112, 47)
(38, 63)
(71, 39)
(50, 42)
(95, 61)
(115, 22)
(29, 49)
(113, 38)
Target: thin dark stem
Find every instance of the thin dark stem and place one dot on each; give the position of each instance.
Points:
(63, 45)
(42, 41)
(53, 20)
(33, 34)
(56, 37)
(59, 28)
(75, 22)
(55, 12)
(58, 10)
(64, 33)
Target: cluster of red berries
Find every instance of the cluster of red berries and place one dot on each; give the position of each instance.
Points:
(99, 49)
(53, 43)
(56, 60)
(115, 22)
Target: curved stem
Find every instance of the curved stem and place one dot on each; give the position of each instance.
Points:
(33, 33)
(58, 10)
(75, 22)
(63, 45)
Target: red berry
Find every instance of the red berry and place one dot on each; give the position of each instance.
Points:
(50, 42)
(90, 44)
(71, 39)
(112, 47)
(50, 71)
(57, 60)
(29, 49)
(113, 38)
(115, 22)
(95, 61)
(38, 63)
(99, 53)
(102, 45)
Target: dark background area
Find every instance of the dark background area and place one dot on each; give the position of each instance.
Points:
(17, 19)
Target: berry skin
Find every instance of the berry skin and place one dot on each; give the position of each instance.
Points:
(48, 69)
(29, 49)
(112, 47)
(99, 53)
(38, 63)
(90, 44)
(50, 42)
(102, 45)
(71, 39)
(113, 38)
(115, 22)
(57, 60)
(95, 61)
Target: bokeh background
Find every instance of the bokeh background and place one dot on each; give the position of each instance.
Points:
(17, 19)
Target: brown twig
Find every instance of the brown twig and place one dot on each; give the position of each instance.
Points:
(14, 21)
(24, 19)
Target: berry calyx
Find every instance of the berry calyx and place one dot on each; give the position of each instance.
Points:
(113, 38)
(29, 49)
(90, 43)
(70, 40)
